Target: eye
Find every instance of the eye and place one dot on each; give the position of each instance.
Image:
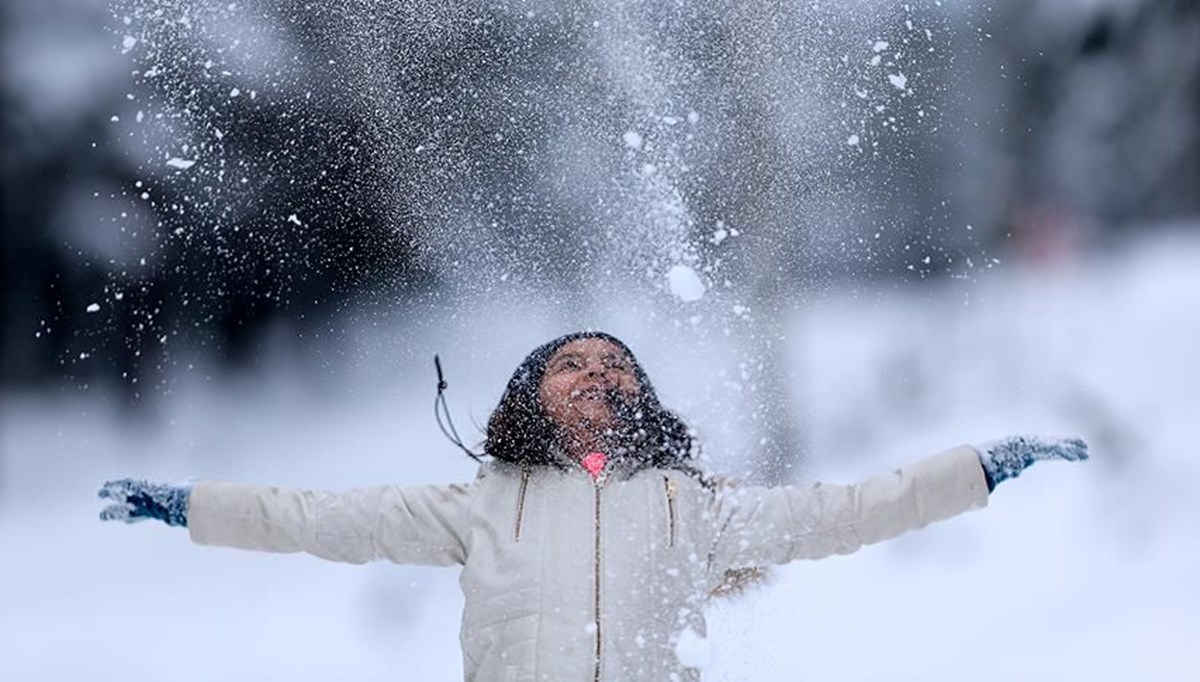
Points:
(616, 365)
(569, 362)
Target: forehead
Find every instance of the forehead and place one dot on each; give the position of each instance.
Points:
(593, 347)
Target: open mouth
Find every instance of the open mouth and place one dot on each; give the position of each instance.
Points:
(592, 394)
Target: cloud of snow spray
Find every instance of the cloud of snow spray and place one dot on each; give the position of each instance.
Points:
(698, 159)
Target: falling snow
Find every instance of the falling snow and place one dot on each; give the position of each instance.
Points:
(685, 284)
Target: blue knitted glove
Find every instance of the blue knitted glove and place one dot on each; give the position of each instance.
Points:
(1007, 457)
(140, 500)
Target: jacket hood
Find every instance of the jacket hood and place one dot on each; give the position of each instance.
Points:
(519, 432)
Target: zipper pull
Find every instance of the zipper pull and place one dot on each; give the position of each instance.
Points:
(521, 503)
(671, 521)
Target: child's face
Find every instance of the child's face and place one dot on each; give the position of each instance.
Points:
(581, 380)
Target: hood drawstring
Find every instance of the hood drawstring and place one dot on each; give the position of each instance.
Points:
(440, 408)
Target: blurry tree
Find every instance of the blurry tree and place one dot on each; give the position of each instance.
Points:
(193, 217)
(826, 168)
(1097, 118)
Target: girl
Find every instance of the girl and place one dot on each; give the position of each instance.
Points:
(589, 541)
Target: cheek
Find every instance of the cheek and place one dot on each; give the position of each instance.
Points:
(552, 395)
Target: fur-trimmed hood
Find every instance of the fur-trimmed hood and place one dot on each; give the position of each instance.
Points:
(520, 432)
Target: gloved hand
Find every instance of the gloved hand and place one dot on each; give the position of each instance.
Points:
(1005, 458)
(140, 500)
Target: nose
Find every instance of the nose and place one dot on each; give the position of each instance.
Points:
(597, 369)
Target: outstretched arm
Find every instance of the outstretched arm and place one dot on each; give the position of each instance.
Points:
(417, 525)
(787, 523)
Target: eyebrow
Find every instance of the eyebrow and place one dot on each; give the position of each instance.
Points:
(576, 355)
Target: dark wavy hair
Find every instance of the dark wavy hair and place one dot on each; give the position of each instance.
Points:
(520, 432)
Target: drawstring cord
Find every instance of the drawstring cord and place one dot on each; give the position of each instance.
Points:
(440, 408)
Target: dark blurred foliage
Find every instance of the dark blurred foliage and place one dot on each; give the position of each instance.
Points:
(386, 140)
(219, 287)
(1095, 118)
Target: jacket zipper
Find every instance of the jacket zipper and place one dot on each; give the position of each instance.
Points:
(670, 489)
(599, 633)
(521, 504)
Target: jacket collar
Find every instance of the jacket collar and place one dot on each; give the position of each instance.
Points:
(617, 466)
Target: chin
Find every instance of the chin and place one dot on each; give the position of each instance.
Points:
(601, 421)
(601, 424)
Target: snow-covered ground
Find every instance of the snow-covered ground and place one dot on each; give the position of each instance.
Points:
(1074, 572)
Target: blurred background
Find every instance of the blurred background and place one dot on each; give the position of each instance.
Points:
(839, 236)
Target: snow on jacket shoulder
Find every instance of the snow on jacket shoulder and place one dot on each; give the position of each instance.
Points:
(568, 580)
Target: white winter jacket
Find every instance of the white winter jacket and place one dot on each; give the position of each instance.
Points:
(568, 579)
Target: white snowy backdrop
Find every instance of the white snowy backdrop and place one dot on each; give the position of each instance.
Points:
(1073, 572)
(839, 238)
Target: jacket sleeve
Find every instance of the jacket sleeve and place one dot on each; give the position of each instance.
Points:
(411, 525)
(758, 525)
